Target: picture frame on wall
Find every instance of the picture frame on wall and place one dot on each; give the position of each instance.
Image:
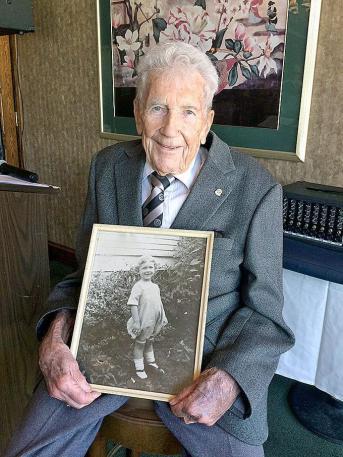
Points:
(144, 290)
(264, 52)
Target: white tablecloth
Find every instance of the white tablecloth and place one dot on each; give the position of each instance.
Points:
(314, 311)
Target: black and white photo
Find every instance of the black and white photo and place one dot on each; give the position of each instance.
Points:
(140, 325)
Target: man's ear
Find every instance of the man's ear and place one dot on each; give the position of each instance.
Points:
(207, 126)
(138, 117)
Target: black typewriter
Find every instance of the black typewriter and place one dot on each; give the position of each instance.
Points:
(313, 225)
(314, 213)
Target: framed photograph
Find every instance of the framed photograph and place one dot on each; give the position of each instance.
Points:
(264, 52)
(141, 318)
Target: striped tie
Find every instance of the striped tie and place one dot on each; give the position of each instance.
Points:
(153, 205)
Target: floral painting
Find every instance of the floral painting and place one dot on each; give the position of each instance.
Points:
(245, 40)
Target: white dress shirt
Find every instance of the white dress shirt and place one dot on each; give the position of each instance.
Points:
(177, 192)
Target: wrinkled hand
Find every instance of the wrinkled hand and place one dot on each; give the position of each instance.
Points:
(61, 372)
(207, 399)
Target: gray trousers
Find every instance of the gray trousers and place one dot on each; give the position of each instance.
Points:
(51, 429)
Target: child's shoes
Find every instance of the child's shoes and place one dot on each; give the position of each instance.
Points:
(153, 367)
(141, 374)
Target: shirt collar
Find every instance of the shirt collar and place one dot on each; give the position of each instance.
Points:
(187, 177)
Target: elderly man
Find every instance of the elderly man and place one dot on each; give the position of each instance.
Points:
(223, 413)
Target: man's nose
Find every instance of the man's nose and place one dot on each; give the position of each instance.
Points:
(171, 124)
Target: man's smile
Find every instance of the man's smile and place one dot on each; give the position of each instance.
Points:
(166, 146)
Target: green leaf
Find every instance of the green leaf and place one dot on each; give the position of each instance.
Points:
(254, 70)
(247, 55)
(158, 24)
(217, 42)
(233, 75)
(237, 46)
(212, 57)
(201, 3)
(246, 72)
(230, 44)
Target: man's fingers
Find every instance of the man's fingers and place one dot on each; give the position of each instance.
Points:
(81, 380)
(72, 387)
(73, 395)
(182, 395)
(77, 391)
(80, 400)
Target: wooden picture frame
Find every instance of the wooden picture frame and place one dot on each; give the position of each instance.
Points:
(105, 339)
(288, 142)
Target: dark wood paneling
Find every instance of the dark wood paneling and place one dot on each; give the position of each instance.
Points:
(24, 286)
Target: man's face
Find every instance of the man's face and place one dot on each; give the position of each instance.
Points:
(173, 120)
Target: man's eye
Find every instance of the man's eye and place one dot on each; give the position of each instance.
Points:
(189, 112)
(157, 109)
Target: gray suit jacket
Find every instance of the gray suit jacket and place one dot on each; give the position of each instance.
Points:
(245, 332)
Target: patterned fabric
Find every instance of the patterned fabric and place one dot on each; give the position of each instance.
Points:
(153, 205)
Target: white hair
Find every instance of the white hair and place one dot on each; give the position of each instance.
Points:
(170, 55)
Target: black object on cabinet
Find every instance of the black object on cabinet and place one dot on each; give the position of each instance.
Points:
(16, 16)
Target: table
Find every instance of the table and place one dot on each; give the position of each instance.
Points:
(24, 286)
(314, 311)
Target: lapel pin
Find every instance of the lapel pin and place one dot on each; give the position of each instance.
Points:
(218, 192)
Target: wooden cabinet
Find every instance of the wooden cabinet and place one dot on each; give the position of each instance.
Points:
(24, 285)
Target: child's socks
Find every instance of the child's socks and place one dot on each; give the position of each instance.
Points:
(139, 365)
(150, 358)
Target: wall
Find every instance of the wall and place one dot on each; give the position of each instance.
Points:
(59, 86)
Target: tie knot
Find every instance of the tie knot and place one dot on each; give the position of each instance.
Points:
(162, 182)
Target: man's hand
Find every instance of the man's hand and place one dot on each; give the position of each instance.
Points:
(61, 372)
(207, 399)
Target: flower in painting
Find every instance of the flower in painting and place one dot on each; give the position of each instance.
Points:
(240, 32)
(220, 6)
(192, 25)
(116, 20)
(221, 9)
(129, 42)
(145, 11)
(249, 43)
(244, 7)
(129, 59)
(254, 7)
(118, 13)
(266, 63)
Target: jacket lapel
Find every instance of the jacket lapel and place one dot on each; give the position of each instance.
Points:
(128, 174)
(211, 188)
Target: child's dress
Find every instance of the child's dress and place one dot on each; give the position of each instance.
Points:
(146, 295)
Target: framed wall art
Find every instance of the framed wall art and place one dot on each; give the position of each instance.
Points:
(264, 52)
(141, 318)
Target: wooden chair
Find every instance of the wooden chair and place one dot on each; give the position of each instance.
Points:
(136, 427)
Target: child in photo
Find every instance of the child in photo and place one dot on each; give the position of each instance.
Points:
(147, 316)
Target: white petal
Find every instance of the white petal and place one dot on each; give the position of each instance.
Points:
(135, 46)
(272, 65)
(128, 35)
(274, 41)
